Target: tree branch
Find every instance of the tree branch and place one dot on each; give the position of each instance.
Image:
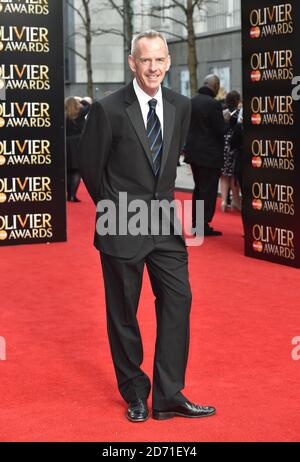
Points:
(77, 53)
(177, 3)
(197, 3)
(173, 34)
(97, 32)
(77, 10)
(153, 15)
(81, 34)
(117, 8)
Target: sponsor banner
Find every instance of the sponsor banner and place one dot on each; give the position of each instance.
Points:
(271, 87)
(32, 145)
(25, 7)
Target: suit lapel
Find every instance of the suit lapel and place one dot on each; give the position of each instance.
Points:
(135, 115)
(169, 121)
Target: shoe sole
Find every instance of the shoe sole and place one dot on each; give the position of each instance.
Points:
(170, 415)
(137, 420)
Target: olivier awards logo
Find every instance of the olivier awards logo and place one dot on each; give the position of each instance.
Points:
(24, 6)
(269, 240)
(26, 152)
(272, 65)
(272, 110)
(24, 39)
(28, 114)
(26, 31)
(271, 21)
(24, 77)
(276, 198)
(28, 189)
(37, 7)
(273, 154)
(28, 226)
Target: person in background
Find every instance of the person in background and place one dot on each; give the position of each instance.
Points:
(76, 110)
(228, 180)
(236, 143)
(87, 99)
(221, 96)
(205, 149)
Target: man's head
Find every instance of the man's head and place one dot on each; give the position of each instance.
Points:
(149, 60)
(212, 81)
(233, 99)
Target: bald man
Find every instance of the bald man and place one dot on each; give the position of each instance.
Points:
(131, 144)
(205, 149)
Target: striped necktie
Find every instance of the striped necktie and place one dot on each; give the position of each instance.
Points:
(154, 135)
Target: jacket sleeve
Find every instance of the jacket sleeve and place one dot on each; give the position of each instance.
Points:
(186, 123)
(94, 148)
(236, 140)
(217, 121)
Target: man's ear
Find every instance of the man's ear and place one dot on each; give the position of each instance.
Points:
(169, 63)
(131, 63)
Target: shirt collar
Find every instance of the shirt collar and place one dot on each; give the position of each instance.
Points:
(143, 97)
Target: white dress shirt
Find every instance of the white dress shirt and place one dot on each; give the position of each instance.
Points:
(143, 100)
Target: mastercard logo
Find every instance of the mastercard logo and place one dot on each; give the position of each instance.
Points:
(257, 204)
(3, 234)
(2, 198)
(258, 246)
(2, 160)
(254, 32)
(256, 119)
(256, 162)
(255, 76)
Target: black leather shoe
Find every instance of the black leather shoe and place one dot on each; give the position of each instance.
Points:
(74, 199)
(185, 409)
(212, 232)
(137, 411)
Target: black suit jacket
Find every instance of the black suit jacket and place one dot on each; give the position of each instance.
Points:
(205, 141)
(115, 157)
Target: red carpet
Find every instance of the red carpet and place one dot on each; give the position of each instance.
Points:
(58, 384)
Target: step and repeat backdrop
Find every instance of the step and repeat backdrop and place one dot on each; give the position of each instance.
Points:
(32, 161)
(271, 88)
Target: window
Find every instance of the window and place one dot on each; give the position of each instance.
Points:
(229, 15)
(185, 83)
(223, 72)
(165, 13)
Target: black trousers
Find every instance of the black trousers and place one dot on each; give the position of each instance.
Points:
(166, 260)
(73, 181)
(206, 188)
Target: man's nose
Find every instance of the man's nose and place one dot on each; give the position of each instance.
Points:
(153, 65)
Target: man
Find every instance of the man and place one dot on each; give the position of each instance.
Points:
(205, 149)
(131, 144)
